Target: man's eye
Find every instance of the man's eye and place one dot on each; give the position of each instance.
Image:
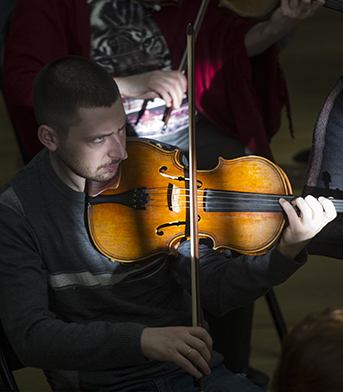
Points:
(98, 139)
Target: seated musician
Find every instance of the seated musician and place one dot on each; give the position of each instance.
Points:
(240, 92)
(97, 324)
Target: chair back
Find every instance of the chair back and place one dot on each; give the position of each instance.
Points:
(325, 168)
(8, 363)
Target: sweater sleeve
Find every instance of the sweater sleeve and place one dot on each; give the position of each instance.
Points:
(230, 282)
(38, 337)
(40, 32)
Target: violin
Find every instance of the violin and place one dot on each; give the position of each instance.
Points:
(255, 9)
(147, 214)
(244, 8)
(250, 8)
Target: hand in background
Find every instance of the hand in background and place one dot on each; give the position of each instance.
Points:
(168, 85)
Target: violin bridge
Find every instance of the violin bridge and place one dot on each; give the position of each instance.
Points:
(174, 198)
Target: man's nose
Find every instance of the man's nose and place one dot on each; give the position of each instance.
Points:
(118, 147)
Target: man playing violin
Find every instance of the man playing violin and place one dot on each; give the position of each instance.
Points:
(96, 324)
(240, 92)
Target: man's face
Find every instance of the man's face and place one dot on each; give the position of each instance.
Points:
(94, 147)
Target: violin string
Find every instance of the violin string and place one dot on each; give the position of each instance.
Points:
(225, 199)
(269, 206)
(225, 194)
(335, 4)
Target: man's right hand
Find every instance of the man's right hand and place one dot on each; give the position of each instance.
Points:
(188, 347)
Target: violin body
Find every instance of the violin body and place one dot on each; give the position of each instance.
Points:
(161, 3)
(250, 8)
(261, 9)
(255, 9)
(244, 8)
(148, 213)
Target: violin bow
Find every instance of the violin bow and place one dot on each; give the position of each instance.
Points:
(182, 66)
(193, 213)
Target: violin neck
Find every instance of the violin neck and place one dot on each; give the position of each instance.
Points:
(338, 205)
(334, 4)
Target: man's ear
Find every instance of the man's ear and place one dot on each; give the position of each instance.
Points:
(48, 137)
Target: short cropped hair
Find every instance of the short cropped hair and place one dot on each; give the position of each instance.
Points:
(312, 355)
(64, 86)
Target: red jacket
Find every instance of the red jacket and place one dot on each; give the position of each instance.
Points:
(241, 96)
(40, 32)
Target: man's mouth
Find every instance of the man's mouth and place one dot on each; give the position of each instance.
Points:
(112, 167)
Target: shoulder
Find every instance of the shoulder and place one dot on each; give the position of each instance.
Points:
(27, 179)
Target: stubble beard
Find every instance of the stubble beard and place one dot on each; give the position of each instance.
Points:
(86, 172)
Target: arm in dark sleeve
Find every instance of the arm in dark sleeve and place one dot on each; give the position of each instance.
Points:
(38, 337)
(227, 283)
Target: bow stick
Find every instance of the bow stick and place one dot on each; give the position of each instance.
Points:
(182, 66)
(193, 213)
